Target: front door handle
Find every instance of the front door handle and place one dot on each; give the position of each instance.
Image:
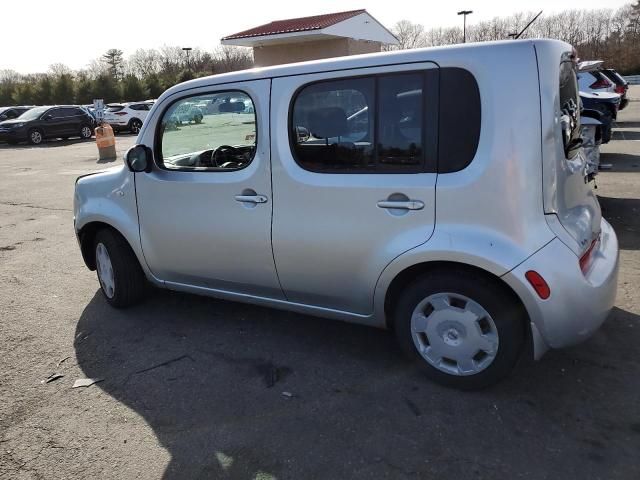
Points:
(402, 205)
(251, 198)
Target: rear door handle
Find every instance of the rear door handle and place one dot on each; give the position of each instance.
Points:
(251, 198)
(402, 205)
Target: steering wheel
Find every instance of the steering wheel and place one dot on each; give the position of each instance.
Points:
(227, 151)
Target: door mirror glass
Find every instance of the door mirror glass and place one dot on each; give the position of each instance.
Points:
(139, 158)
(303, 134)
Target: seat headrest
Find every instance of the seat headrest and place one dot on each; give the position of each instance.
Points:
(328, 122)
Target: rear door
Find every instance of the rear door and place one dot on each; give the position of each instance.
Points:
(354, 161)
(577, 206)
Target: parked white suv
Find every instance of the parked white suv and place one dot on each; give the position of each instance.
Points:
(127, 116)
(399, 190)
(591, 79)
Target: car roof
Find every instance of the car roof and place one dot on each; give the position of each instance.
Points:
(442, 55)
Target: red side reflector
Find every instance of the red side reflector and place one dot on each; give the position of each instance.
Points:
(121, 113)
(585, 259)
(538, 283)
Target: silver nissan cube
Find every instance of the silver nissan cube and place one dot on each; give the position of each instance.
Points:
(406, 190)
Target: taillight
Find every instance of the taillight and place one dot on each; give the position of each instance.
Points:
(620, 89)
(538, 283)
(601, 83)
(587, 257)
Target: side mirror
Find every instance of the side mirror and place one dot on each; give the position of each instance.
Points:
(302, 134)
(139, 158)
(48, 116)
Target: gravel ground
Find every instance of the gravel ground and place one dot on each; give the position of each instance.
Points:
(193, 387)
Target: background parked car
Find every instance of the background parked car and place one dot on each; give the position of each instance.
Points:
(621, 85)
(591, 78)
(39, 123)
(127, 116)
(9, 113)
(607, 103)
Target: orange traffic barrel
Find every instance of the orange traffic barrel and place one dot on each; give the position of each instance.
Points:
(106, 142)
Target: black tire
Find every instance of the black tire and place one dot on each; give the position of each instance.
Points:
(130, 284)
(134, 126)
(507, 313)
(86, 132)
(35, 136)
(197, 119)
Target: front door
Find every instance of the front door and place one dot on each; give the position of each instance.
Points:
(205, 209)
(353, 179)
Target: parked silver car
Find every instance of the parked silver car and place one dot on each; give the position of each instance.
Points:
(417, 198)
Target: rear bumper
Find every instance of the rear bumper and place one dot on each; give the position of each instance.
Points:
(579, 303)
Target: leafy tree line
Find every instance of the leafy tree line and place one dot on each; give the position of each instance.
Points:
(607, 34)
(145, 74)
(603, 34)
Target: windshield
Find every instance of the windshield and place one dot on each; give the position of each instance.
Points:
(33, 113)
(4, 109)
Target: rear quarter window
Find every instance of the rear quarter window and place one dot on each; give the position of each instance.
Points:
(460, 119)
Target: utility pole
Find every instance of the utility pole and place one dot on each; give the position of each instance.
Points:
(464, 23)
(187, 50)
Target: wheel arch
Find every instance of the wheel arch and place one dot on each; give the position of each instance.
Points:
(86, 237)
(407, 275)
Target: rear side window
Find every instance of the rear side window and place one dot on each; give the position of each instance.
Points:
(460, 119)
(368, 124)
(569, 107)
(411, 122)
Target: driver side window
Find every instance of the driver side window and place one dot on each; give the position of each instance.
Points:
(209, 132)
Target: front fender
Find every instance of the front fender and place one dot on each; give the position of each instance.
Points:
(478, 248)
(109, 197)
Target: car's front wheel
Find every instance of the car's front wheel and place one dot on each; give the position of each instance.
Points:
(122, 280)
(35, 137)
(463, 327)
(134, 126)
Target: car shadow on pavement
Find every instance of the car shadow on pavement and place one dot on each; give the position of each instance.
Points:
(625, 134)
(624, 215)
(238, 391)
(50, 143)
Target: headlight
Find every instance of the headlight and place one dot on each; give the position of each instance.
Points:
(17, 125)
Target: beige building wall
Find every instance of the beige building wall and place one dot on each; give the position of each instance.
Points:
(303, 51)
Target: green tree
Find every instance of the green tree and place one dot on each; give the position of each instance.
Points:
(63, 89)
(24, 94)
(44, 91)
(6, 93)
(133, 89)
(153, 85)
(107, 88)
(84, 89)
(113, 58)
(185, 75)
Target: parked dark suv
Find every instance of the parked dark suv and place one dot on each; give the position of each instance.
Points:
(9, 113)
(60, 121)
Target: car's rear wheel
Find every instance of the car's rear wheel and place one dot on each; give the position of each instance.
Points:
(121, 278)
(197, 119)
(464, 328)
(86, 132)
(36, 136)
(135, 125)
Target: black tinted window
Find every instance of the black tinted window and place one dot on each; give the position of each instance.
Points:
(460, 117)
(333, 125)
(400, 124)
(569, 107)
(364, 125)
